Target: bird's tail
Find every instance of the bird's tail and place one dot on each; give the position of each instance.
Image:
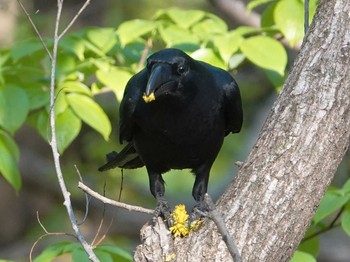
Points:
(127, 158)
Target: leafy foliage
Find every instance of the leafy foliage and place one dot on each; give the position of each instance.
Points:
(95, 58)
(103, 252)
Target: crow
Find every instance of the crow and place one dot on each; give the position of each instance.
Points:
(175, 114)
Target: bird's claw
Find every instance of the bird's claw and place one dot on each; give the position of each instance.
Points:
(199, 211)
(163, 210)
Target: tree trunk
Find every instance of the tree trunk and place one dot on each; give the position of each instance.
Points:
(276, 192)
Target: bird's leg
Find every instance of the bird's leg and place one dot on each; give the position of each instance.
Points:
(157, 189)
(199, 189)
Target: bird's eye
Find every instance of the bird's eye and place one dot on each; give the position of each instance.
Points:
(181, 69)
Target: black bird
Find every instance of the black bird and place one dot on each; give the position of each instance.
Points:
(175, 114)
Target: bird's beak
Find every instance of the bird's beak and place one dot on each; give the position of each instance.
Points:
(159, 76)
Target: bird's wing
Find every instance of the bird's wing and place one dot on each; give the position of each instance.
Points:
(132, 94)
(127, 158)
(232, 106)
(231, 101)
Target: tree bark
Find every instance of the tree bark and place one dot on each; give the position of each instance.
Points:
(269, 205)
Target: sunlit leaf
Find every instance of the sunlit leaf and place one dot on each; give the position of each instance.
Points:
(14, 107)
(184, 18)
(103, 38)
(300, 256)
(228, 44)
(289, 17)
(73, 45)
(91, 113)
(208, 27)
(68, 126)
(115, 78)
(173, 35)
(265, 52)
(131, 30)
(331, 202)
(207, 55)
(74, 87)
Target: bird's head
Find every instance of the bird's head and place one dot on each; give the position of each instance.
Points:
(168, 70)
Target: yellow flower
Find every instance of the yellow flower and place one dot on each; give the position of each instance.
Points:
(181, 227)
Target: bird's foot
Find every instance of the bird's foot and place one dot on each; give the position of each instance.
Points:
(163, 210)
(199, 211)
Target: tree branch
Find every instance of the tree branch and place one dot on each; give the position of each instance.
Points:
(214, 215)
(87, 2)
(53, 143)
(35, 29)
(113, 202)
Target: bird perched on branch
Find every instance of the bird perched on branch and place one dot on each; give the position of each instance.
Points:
(175, 114)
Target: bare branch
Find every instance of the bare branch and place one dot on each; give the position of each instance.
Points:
(35, 29)
(53, 143)
(214, 215)
(113, 202)
(144, 54)
(87, 2)
(47, 233)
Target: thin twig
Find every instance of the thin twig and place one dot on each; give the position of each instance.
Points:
(87, 2)
(113, 202)
(47, 233)
(35, 29)
(87, 198)
(214, 215)
(330, 226)
(53, 143)
(144, 54)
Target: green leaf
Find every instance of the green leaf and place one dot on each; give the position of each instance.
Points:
(67, 129)
(73, 45)
(267, 17)
(103, 38)
(116, 79)
(207, 55)
(38, 96)
(26, 48)
(55, 250)
(265, 52)
(91, 113)
(174, 35)
(300, 256)
(252, 4)
(8, 161)
(14, 107)
(227, 44)
(331, 202)
(289, 17)
(345, 219)
(10, 144)
(208, 27)
(79, 255)
(60, 103)
(74, 87)
(311, 246)
(117, 253)
(131, 30)
(183, 18)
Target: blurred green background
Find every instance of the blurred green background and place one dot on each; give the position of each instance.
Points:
(40, 193)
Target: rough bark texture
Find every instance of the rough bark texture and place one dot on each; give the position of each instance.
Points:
(270, 203)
